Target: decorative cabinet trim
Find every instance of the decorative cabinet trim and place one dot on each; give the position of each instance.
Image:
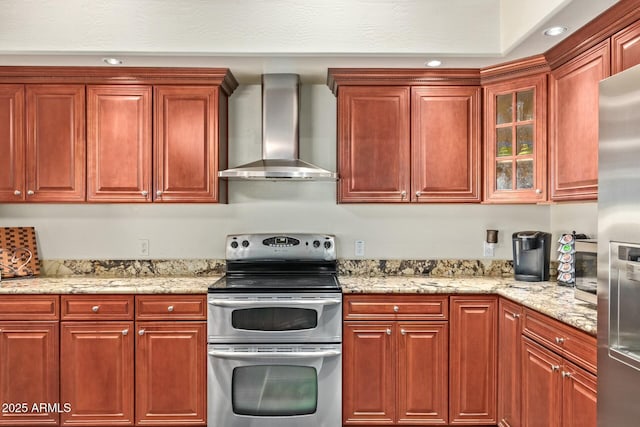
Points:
(507, 71)
(337, 77)
(121, 76)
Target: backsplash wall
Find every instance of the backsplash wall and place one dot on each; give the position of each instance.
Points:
(187, 231)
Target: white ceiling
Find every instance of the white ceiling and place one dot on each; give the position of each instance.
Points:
(252, 37)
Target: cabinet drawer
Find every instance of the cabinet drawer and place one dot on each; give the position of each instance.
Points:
(29, 307)
(171, 307)
(97, 307)
(575, 345)
(395, 307)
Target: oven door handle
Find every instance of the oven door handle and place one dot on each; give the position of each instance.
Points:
(274, 354)
(232, 303)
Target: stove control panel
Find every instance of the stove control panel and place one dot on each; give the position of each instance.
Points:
(299, 246)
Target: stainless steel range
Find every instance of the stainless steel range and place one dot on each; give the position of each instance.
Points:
(275, 334)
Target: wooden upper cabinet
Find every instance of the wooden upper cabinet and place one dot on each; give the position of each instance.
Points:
(574, 124)
(625, 48)
(119, 143)
(55, 153)
(516, 141)
(12, 143)
(445, 144)
(186, 140)
(374, 144)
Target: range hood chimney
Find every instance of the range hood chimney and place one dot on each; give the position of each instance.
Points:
(280, 137)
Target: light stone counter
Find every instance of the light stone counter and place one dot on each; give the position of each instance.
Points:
(546, 297)
(107, 285)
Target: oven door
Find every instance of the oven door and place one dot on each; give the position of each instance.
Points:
(274, 385)
(275, 317)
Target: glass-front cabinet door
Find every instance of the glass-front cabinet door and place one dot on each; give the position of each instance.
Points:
(515, 141)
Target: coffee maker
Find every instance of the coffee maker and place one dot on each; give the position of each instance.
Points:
(531, 252)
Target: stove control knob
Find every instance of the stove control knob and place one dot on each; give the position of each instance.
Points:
(245, 243)
(234, 244)
(316, 243)
(327, 244)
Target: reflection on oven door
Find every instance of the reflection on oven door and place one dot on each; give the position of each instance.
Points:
(275, 385)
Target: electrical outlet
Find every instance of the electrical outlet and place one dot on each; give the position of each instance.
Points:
(359, 248)
(143, 247)
(489, 249)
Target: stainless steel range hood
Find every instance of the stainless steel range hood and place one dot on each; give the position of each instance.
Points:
(280, 137)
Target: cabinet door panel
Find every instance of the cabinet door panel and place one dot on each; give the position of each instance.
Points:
(171, 373)
(368, 389)
(579, 397)
(374, 144)
(541, 386)
(574, 125)
(423, 375)
(96, 372)
(625, 48)
(445, 144)
(12, 143)
(119, 143)
(55, 155)
(29, 371)
(473, 346)
(516, 141)
(509, 363)
(186, 144)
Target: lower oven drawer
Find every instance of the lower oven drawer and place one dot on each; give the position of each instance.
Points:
(274, 385)
(275, 317)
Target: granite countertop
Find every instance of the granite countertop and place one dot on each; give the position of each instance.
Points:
(546, 297)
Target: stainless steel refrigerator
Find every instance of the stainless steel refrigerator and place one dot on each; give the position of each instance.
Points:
(619, 251)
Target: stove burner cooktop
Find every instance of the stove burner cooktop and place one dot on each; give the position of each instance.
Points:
(275, 283)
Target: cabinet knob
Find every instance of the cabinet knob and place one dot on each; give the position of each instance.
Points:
(125, 332)
(141, 332)
(17, 192)
(396, 308)
(538, 191)
(418, 194)
(388, 331)
(145, 193)
(95, 308)
(559, 340)
(170, 308)
(516, 315)
(403, 195)
(403, 332)
(159, 193)
(30, 193)
(566, 374)
(555, 368)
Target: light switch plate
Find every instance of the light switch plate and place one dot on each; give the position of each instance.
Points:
(359, 248)
(489, 249)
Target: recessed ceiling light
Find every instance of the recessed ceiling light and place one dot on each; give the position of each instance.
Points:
(433, 63)
(554, 31)
(112, 61)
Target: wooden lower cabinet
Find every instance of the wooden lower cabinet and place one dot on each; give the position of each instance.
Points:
(171, 373)
(96, 373)
(28, 372)
(473, 360)
(555, 392)
(395, 373)
(509, 363)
